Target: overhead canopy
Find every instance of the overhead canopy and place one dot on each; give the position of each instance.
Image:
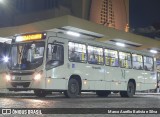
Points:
(5, 40)
(87, 28)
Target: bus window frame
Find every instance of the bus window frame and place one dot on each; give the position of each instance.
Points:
(125, 59)
(110, 57)
(97, 47)
(86, 52)
(141, 62)
(153, 63)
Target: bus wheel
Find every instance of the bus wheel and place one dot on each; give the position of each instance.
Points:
(130, 90)
(40, 93)
(73, 89)
(103, 93)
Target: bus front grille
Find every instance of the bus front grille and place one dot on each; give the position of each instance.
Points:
(23, 84)
(27, 73)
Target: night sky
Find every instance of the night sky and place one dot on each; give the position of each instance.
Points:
(144, 13)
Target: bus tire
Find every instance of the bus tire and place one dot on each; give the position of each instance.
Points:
(123, 93)
(130, 90)
(73, 89)
(103, 93)
(40, 93)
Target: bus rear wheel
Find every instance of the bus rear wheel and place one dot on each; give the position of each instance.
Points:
(40, 93)
(73, 89)
(103, 93)
(130, 90)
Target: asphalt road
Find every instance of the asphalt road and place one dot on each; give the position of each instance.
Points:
(85, 101)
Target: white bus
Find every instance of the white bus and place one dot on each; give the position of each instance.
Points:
(48, 62)
(4, 58)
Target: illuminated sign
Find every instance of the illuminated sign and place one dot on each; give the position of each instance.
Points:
(30, 37)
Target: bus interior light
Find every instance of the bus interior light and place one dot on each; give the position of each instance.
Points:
(120, 44)
(73, 33)
(153, 51)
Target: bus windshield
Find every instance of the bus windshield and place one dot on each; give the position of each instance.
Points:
(27, 56)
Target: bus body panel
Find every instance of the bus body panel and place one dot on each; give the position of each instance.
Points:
(107, 78)
(93, 77)
(149, 78)
(116, 78)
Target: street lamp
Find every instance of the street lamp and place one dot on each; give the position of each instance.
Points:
(1, 1)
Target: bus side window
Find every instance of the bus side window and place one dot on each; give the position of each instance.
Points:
(95, 55)
(74, 56)
(111, 57)
(93, 59)
(137, 61)
(55, 56)
(77, 52)
(125, 60)
(148, 63)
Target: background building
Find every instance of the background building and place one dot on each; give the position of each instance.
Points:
(111, 13)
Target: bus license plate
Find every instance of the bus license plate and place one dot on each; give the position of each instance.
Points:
(19, 86)
(17, 78)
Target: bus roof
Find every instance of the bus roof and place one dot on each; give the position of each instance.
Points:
(101, 44)
(87, 40)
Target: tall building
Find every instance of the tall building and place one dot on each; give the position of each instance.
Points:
(111, 13)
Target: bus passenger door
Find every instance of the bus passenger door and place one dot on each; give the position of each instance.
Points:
(55, 68)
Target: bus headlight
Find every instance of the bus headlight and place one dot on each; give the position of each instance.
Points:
(8, 77)
(37, 76)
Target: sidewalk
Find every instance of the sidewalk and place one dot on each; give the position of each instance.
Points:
(147, 93)
(18, 93)
(31, 93)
